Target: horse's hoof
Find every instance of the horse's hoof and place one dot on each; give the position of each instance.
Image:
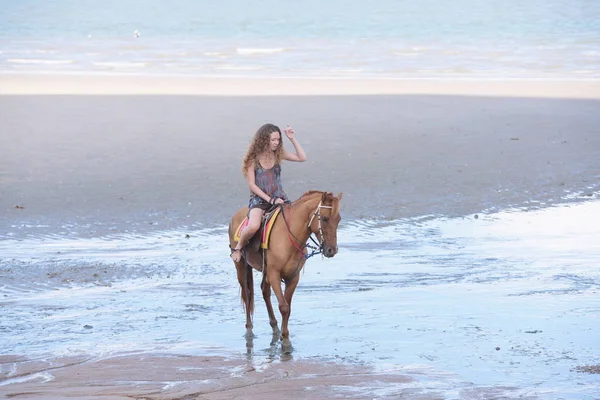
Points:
(274, 339)
(286, 346)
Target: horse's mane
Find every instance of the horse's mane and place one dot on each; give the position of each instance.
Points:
(310, 192)
(307, 195)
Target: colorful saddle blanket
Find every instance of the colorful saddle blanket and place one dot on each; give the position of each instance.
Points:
(265, 232)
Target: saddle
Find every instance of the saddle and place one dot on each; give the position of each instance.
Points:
(260, 240)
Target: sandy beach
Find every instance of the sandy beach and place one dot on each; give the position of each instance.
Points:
(134, 162)
(90, 156)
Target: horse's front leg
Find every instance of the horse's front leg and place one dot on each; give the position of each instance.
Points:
(266, 292)
(284, 307)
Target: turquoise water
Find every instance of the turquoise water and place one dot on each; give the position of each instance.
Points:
(431, 38)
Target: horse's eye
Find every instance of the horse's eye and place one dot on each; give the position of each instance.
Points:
(325, 219)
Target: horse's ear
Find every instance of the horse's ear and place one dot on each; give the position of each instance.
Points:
(339, 196)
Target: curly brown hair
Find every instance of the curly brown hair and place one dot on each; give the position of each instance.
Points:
(260, 144)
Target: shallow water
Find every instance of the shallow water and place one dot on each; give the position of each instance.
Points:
(507, 299)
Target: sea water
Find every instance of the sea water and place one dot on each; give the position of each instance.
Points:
(468, 39)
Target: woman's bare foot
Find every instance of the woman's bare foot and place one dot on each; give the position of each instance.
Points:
(236, 255)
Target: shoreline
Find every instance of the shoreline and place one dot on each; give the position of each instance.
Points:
(135, 84)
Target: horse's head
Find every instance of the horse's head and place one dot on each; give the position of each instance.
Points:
(324, 223)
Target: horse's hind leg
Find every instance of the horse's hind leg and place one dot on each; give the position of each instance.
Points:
(266, 292)
(290, 287)
(246, 281)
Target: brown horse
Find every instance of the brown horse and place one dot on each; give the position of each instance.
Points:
(315, 212)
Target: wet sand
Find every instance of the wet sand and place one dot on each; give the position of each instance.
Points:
(115, 163)
(91, 165)
(181, 377)
(170, 376)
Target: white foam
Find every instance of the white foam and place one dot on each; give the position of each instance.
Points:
(240, 68)
(251, 51)
(215, 54)
(120, 64)
(38, 61)
(43, 377)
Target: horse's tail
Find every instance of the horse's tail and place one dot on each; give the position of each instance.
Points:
(248, 289)
(245, 277)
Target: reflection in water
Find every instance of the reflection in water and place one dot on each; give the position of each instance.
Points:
(505, 299)
(275, 351)
(249, 345)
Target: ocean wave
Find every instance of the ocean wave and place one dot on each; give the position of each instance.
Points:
(412, 52)
(38, 61)
(121, 64)
(33, 51)
(239, 67)
(215, 54)
(591, 53)
(346, 70)
(252, 51)
(585, 72)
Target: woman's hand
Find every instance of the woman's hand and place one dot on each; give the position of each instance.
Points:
(289, 132)
(278, 201)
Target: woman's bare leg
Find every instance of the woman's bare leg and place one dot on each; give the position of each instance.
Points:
(254, 219)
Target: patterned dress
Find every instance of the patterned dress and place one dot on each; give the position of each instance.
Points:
(269, 181)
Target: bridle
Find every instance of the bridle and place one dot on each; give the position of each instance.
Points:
(317, 214)
(320, 237)
(318, 249)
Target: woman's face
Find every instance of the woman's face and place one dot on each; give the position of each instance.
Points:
(274, 140)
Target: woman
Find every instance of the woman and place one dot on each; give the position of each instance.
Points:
(262, 169)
